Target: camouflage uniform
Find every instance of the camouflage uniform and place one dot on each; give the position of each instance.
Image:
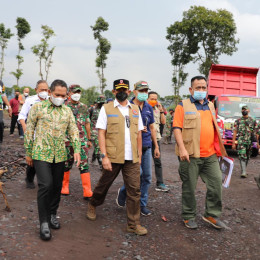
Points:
(168, 128)
(80, 112)
(94, 113)
(244, 127)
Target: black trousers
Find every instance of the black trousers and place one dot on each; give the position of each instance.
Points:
(13, 123)
(1, 125)
(49, 177)
(158, 166)
(30, 173)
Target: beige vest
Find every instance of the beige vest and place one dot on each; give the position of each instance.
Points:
(157, 121)
(115, 133)
(191, 130)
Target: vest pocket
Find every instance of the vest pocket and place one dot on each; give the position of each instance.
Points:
(188, 146)
(112, 125)
(189, 121)
(111, 151)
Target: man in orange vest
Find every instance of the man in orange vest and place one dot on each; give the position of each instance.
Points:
(198, 145)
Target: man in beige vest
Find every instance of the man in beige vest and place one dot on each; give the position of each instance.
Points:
(198, 145)
(119, 134)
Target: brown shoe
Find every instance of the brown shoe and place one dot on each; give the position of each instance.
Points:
(91, 212)
(138, 230)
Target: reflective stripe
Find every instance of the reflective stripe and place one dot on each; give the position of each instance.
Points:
(112, 115)
(190, 113)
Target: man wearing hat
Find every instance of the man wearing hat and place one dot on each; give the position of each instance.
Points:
(119, 132)
(244, 128)
(148, 136)
(3, 99)
(81, 115)
(93, 115)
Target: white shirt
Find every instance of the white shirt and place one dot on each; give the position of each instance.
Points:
(29, 102)
(102, 124)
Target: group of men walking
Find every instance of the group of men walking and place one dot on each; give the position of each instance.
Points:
(60, 130)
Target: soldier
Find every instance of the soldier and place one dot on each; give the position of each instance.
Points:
(245, 128)
(93, 114)
(80, 112)
(168, 130)
(257, 179)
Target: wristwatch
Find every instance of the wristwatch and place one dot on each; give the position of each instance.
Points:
(102, 155)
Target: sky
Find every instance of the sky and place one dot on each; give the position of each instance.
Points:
(137, 31)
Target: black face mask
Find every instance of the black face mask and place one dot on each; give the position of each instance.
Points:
(244, 113)
(121, 96)
(16, 96)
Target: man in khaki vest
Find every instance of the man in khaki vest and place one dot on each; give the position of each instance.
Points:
(119, 134)
(198, 145)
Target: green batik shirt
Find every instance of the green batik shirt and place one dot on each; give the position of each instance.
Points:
(46, 132)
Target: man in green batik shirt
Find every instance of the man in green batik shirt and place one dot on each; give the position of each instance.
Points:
(244, 129)
(81, 115)
(47, 125)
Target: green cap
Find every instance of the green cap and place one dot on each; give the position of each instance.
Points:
(74, 88)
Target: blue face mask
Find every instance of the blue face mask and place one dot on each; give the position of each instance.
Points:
(142, 97)
(199, 95)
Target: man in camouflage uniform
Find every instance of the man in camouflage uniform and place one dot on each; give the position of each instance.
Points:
(168, 128)
(93, 114)
(80, 112)
(257, 179)
(244, 129)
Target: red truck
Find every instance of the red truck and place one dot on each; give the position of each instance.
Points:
(231, 87)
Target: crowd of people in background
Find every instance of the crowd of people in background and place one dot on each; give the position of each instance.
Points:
(126, 135)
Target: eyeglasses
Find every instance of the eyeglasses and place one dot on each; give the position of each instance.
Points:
(127, 120)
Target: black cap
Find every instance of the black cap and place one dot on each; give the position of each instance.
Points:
(171, 110)
(121, 83)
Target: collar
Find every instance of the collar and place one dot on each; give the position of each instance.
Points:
(192, 100)
(132, 101)
(116, 103)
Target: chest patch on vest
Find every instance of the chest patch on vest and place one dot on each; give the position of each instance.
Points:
(135, 112)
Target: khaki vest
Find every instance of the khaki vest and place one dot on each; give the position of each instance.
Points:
(115, 133)
(157, 121)
(191, 130)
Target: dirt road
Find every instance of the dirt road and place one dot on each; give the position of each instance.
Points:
(105, 238)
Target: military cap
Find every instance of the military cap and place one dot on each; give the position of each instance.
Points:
(101, 99)
(244, 107)
(74, 88)
(121, 83)
(141, 85)
(171, 110)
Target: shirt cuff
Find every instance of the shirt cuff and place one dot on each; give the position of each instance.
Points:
(176, 127)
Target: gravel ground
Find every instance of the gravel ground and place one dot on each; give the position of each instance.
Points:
(106, 238)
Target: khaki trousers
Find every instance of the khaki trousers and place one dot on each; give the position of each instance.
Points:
(131, 176)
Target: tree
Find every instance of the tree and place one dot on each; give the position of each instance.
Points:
(109, 94)
(202, 36)
(5, 35)
(102, 50)
(23, 28)
(89, 96)
(44, 52)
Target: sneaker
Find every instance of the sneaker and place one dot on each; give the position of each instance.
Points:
(91, 212)
(11, 135)
(138, 230)
(190, 223)
(145, 211)
(243, 175)
(162, 187)
(215, 222)
(21, 136)
(119, 201)
(257, 179)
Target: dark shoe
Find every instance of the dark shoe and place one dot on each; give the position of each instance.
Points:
(120, 201)
(29, 185)
(87, 198)
(215, 222)
(54, 223)
(145, 211)
(45, 232)
(190, 223)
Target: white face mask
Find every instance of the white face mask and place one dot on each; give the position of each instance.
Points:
(43, 94)
(75, 97)
(26, 94)
(57, 101)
